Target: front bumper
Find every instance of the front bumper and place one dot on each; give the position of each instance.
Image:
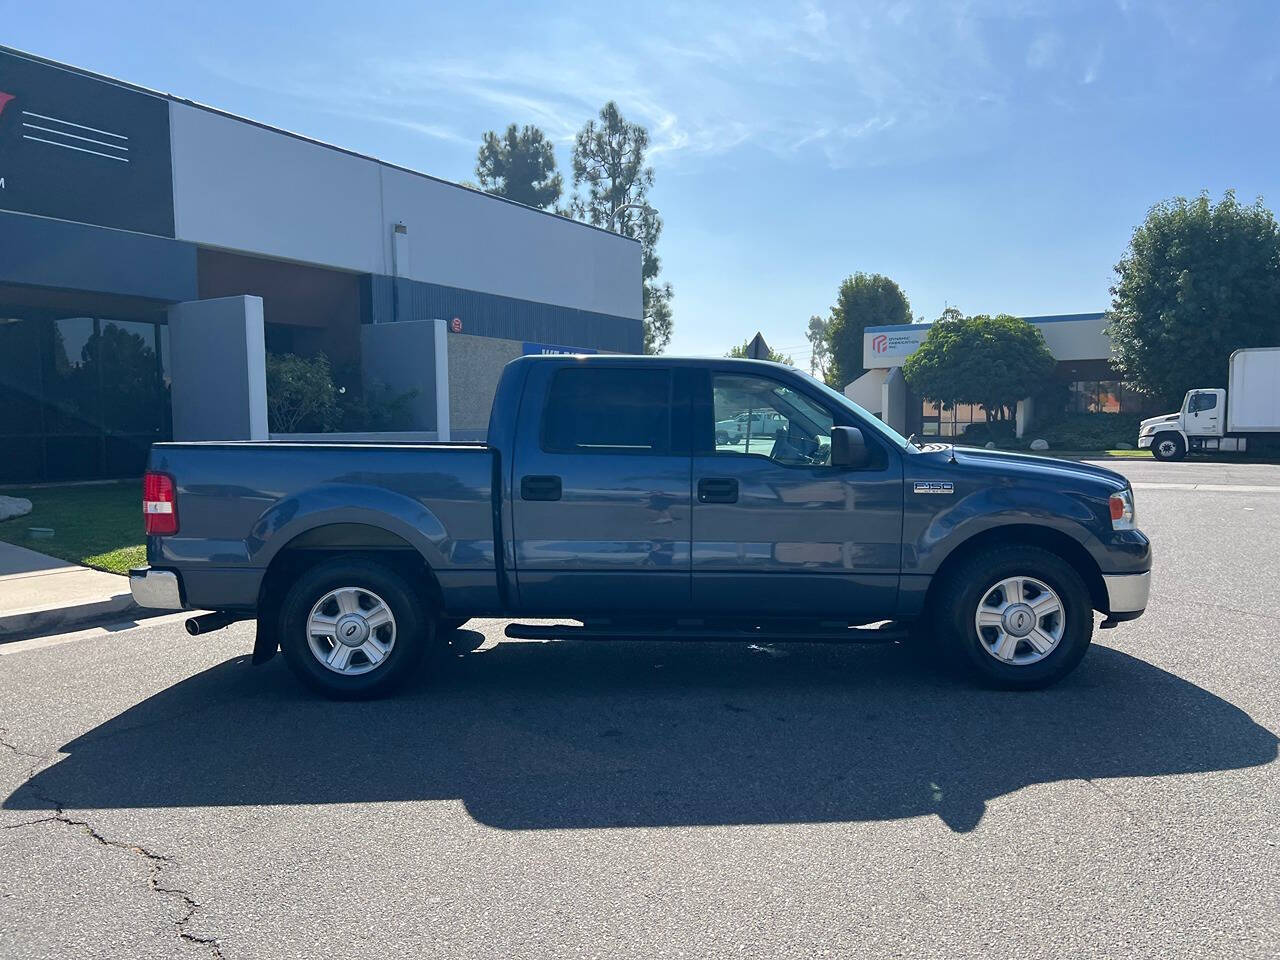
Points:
(159, 589)
(1144, 443)
(1127, 594)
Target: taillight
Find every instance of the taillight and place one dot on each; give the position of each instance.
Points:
(159, 505)
(1122, 510)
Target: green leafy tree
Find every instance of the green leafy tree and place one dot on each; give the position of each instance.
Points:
(301, 396)
(611, 182)
(994, 361)
(864, 300)
(520, 165)
(819, 336)
(740, 352)
(1199, 280)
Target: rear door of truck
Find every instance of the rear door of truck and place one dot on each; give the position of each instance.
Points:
(601, 489)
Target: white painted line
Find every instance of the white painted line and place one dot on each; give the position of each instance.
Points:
(1208, 487)
(76, 136)
(91, 633)
(67, 146)
(78, 126)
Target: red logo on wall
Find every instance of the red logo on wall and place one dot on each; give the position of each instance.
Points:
(456, 324)
(879, 343)
(4, 100)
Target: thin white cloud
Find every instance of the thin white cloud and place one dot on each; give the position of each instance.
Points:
(886, 81)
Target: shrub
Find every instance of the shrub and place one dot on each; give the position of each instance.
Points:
(301, 397)
(1086, 431)
(978, 434)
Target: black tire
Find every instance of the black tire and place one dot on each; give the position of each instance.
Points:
(722, 438)
(1168, 447)
(414, 628)
(448, 625)
(966, 586)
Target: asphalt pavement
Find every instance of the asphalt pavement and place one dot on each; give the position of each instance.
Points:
(161, 797)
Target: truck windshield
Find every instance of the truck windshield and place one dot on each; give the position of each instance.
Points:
(882, 428)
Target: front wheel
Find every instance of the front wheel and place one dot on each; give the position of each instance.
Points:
(1017, 617)
(1167, 447)
(722, 438)
(353, 629)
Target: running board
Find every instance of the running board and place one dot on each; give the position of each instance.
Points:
(888, 633)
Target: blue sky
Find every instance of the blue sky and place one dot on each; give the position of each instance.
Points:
(994, 156)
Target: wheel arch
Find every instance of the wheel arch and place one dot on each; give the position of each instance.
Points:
(1025, 534)
(325, 542)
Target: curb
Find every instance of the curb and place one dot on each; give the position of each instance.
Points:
(23, 624)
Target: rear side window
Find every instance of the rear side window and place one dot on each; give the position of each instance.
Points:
(608, 410)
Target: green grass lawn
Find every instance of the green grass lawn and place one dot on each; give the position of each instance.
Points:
(98, 525)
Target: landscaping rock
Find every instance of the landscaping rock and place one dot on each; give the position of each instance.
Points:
(1040, 444)
(991, 444)
(1125, 446)
(11, 507)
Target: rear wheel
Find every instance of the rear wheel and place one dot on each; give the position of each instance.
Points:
(722, 438)
(1016, 617)
(1168, 446)
(353, 629)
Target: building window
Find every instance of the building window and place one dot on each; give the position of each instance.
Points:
(940, 420)
(1105, 396)
(81, 397)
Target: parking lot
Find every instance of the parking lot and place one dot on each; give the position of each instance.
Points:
(161, 797)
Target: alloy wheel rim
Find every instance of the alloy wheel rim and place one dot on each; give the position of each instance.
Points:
(1020, 620)
(351, 631)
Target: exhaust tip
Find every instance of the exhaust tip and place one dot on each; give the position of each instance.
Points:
(193, 626)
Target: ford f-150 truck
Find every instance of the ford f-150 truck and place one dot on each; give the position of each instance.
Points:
(602, 497)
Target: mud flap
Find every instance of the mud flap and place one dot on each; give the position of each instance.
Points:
(265, 644)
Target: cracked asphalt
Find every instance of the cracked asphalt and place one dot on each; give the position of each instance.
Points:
(159, 797)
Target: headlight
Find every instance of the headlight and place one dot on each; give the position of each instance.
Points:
(1122, 510)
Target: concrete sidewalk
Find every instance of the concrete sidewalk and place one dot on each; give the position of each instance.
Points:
(39, 594)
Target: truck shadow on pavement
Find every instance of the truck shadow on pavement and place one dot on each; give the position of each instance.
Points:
(565, 735)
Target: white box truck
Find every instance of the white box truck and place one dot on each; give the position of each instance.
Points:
(1216, 420)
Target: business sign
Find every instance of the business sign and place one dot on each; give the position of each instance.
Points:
(888, 348)
(551, 349)
(78, 148)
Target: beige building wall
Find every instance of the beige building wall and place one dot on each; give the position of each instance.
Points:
(475, 366)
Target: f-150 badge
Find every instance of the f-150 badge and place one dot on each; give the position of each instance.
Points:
(934, 486)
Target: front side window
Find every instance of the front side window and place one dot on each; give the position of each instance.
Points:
(608, 410)
(758, 416)
(1203, 401)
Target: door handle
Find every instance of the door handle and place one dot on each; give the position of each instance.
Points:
(540, 488)
(717, 490)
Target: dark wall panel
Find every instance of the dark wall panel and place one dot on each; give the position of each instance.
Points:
(79, 148)
(490, 315)
(71, 256)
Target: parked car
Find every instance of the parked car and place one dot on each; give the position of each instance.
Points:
(602, 496)
(756, 424)
(1213, 420)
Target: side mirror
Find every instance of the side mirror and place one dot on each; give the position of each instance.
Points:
(848, 447)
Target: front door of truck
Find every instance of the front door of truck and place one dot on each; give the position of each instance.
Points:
(777, 530)
(600, 490)
(1204, 414)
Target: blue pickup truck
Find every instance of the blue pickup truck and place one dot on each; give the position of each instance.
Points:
(605, 496)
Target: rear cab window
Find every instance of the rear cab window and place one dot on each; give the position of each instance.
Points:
(609, 410)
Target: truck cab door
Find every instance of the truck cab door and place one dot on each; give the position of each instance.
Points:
(1203, 415)
(600, 492)
(777, 530)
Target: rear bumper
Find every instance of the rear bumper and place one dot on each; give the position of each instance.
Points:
(1127, 593)
(159, 589)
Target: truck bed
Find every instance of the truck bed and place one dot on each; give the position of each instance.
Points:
(239, 504)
